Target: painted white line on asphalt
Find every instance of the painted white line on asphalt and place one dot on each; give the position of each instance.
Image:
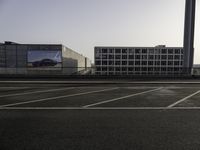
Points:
(120, 98)
(58, 97)
(99, 108)
(34, 92)
(184, 99)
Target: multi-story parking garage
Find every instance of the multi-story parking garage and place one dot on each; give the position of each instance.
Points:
(41, 59)
(159, 60)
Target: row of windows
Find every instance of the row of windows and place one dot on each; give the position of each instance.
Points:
(140, 57)
(139, 51)
(141, 73)
(137, 69)
(139, 63)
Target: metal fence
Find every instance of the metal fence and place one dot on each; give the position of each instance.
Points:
(102, 71)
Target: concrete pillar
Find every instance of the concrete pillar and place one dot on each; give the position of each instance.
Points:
(189, 34)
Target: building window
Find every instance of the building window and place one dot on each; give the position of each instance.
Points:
(151, 51)
(131, 63)
(144, 51)
(117, 69)
(163, 63)
(131, 56)
(104, 63)
(170, 57)
(150, 63)
(111, 57)
(157, 69)
(137, 57)
(170, 51)
(144, 63)
(163, 69)
(144, 69)
(111, 69)
(111, 62)
(157, 56)
(150, 56)
(98, 69)
(150, 69)
(104, 57)
(176, 63)
(164, 57)
(137, 51)
(110, 50)
(164, 51)
(124, 56)
(124, 50)
(104, 68)
(98, 63)
(177, 51)
(137, 63)
(117, 63)
(157, 51)
(181, 51)
(170, 63)
(104, 50)
(144, 56)
(130, 69)
(124, 68)
(124, 62)
(177, 57)
(117, 50)
(137, 69)
(118, 57)
(131, 51)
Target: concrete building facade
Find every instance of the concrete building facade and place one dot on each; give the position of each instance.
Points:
(41, 59)
(159, 60)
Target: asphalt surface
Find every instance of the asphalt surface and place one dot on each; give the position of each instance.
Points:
(102, 116)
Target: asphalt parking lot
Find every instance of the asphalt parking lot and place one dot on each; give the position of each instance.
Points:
(100, 116)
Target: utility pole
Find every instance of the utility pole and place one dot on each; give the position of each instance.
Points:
(189, 35)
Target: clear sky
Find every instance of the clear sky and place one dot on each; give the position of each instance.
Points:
(83, 24)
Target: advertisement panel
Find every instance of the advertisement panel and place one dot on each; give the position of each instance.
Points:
(44, 59)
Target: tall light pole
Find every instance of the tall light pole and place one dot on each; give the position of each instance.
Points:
(189, 34)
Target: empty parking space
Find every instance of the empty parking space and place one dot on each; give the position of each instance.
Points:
(49, 96)
(191, 101)
(82, 100)
(158, 98)
(99, 96)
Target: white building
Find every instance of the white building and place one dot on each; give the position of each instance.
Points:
(159, 60)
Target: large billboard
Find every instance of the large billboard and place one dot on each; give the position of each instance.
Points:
(44, 59)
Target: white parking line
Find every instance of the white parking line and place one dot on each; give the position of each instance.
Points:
(99, 108)
(34, 92)
(184, 99)
(119, 98)
(58, 97)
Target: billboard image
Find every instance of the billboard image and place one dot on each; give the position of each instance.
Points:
(44, 59)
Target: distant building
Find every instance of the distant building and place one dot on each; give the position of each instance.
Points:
(41, 59)
(159, 60)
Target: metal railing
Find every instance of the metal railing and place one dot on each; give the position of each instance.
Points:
(100, 71)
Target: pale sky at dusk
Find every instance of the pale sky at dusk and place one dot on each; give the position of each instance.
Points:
(83, 24)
